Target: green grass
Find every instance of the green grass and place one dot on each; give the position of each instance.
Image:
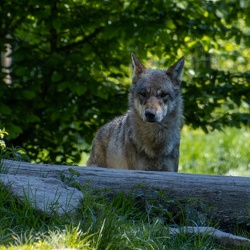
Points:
(221, 153)
(104, 222)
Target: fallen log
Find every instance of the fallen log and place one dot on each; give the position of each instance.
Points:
(227, 196)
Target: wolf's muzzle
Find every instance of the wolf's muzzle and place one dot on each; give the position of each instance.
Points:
(150, 116)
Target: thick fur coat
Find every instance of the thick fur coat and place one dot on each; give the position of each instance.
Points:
(147, 137)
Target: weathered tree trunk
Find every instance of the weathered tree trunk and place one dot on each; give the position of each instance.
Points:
(227, 196)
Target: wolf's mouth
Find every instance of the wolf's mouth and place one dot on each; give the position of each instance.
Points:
(151, 121)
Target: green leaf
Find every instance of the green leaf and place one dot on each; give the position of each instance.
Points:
(14, 131)
(63, 85)
(56, 77)
(29, 94)
(247, 20)
(4, 109)
(21, 71)
(80, 89)
(56, 24)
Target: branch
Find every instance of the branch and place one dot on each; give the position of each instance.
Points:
(224, 239)
(86, 39)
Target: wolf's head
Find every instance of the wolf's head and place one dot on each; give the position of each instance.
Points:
(156, 93)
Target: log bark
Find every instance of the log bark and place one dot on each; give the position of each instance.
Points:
(226, 197)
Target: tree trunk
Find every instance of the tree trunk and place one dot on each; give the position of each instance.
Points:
(227, 198)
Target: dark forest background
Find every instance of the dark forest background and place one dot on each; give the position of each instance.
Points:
(66, 66)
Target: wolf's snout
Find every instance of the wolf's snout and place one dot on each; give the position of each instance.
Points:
(150, 115)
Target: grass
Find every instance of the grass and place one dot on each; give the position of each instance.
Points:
(221, 153)
(104, 222)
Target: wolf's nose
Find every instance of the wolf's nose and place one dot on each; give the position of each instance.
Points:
(150, 116)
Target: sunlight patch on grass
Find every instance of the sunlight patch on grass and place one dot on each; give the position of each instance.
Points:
(219, 152)
(84, 159)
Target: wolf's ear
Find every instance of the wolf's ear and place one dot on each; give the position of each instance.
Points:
(139, 68)
(175, 71)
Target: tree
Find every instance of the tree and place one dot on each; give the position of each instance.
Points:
(70, 66)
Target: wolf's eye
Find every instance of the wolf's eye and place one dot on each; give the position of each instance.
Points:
(143, 94)
(164, 95)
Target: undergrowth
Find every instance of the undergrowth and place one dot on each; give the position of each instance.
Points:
(102, 222)
(219, 152)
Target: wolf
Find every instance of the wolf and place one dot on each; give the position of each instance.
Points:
(147, 137)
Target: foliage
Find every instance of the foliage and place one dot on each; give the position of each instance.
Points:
(3, 132)
(70, 65)
(13, 153)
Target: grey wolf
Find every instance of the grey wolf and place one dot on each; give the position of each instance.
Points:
(147, 137)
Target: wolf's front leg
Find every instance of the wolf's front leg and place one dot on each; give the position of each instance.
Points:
(171, 161)
(97, 156)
